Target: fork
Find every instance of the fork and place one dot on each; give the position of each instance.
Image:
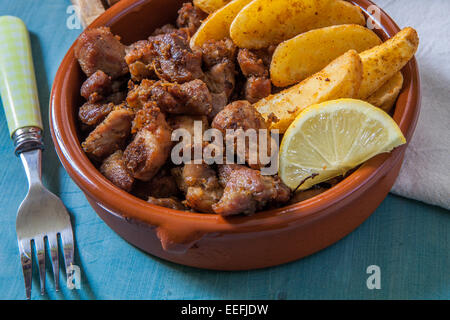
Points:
(42, 216)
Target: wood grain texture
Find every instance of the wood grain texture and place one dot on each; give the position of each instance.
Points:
(409, 240)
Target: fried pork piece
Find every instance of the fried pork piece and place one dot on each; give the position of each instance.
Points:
(162, 185)
(167, 28)
(96, 87)
(170, 203)
(110, 135)
(257, 88)
(91, 114)
(220, 78)
(113, 168)
(190, 17)
(151, 146)
(247, 190)
(218, 58)
(116, 97)
(218, 102)
(253, 66)
(188, 122)
(218, 51)
(200, 184)
(239, 114)
(98, 49)
(242, 115)
(191, 97)
(255, 62)
(139, 57)
(266, 54)
(167, 55)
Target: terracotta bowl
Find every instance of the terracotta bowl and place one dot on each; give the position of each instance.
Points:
(205, 240)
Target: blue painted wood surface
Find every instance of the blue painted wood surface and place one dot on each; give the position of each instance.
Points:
(408, 240)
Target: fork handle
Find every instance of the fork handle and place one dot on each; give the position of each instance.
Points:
(18, 85)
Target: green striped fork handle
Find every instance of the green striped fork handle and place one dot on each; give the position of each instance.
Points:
(18, 85)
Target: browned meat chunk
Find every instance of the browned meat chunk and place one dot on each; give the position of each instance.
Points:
(266, 54)
(91, 114)
(251, 64)
(139, 57)
(167, 28)
(247, 190)
(255, 66)
(188, 123)
(170, 203)
(115, 171)
(192, 98)
(195, 142)
(219, 58)
(242, 115)
(188, 98)
(200, 184)
(190, 17)
(162, 185)
(98, 49)
(219, 101)
(221, 78)
(168, 56)
(110, 135)
(139, 95)
(116, 97)
(96, 87)
(257, 88)
(239, 114)
(218, 51)
(151, 146)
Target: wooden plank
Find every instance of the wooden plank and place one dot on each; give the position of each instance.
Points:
(88, 10)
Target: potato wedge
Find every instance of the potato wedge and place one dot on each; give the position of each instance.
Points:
(210, 6)
(263, 23)
(382, 62)
(339, 12)
(385, 97)
(340, 79)
(298, 58)
(217, 25)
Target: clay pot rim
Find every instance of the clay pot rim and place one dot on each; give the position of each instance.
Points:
(97, 187)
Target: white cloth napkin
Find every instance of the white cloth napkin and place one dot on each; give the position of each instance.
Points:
(425, 174)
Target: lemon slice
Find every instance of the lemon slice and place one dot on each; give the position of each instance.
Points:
(328, 139)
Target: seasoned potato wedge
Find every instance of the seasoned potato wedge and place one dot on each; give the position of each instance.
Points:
(298, 58)
(263, 23)
(210, 6)
(385, 97)
(340, 79)
(339, 12)
(381, 62)
(217, 25)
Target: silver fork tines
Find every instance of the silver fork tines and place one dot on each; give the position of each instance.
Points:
(40, 253)
(41, 218)
(27, 264)
(54, 257)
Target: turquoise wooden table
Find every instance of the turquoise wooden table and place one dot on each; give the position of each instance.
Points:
(409, 241)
